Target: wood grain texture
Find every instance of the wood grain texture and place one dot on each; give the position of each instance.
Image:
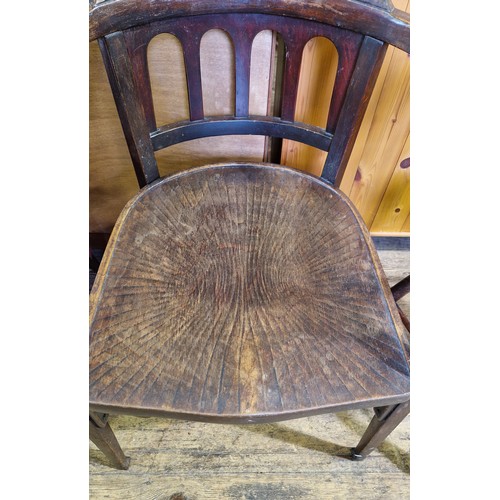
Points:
(394, 209)
(359, 61)
(368, 64)
(379, 145)
(130, 107)
(301, 459)
(289, 313)
(388, 133)
(368, 197)
(296, 34)
(379, 428)
(111, 177)
(373, 17)
(104, 438)
(293, 460)
(316, 81)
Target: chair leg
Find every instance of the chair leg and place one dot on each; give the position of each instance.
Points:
(378, 430)
(105, 440)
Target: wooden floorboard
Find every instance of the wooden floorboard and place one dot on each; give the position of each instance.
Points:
(297, 459)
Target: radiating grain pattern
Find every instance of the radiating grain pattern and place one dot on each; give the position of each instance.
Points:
(293, 460)
(286, 313)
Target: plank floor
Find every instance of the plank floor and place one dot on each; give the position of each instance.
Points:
(296, 459)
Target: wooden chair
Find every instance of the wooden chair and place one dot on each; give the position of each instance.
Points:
(243, 293)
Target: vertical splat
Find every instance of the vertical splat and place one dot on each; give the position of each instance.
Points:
(293, 59)
(191, 47)
(242, 41)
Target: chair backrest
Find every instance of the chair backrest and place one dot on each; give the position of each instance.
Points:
(359, 29)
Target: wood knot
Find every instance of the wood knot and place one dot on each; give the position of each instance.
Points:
(405, 163)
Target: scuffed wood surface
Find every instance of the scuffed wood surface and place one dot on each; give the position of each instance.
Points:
(375, 18)
(286, 314)
(297, 459)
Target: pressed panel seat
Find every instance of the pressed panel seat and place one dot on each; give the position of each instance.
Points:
(241, 292)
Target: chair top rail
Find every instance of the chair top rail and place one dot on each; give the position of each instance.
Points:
(376, 18)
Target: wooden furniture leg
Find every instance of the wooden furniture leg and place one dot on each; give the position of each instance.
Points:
(380, 427)
(105, 440)
(400, 289)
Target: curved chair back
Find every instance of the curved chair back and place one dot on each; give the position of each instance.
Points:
(359, 29)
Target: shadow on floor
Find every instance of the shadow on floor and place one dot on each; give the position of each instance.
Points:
(396, 455)
(297, 438)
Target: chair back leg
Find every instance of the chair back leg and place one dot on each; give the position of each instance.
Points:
(105, 439)
(380, 427)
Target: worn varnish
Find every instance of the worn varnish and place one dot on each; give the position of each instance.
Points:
(243, 292)
(293, 460)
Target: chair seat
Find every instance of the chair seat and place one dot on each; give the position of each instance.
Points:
(242, 293)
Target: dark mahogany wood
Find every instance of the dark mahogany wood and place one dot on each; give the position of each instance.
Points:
(244, 292)
(141, 76)
(130, 108)
(371, 17)
(192, 62)
(242, 41)
(400, 289)
(229, 125)
(379, 429)
(233, 293)
(360, 87)
(242, 29)
(105, 440)
(357, 70)
(99, 419)
(291, 73)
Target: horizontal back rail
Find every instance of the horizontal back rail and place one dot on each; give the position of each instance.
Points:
(126, 59)
(230, 125)
(242, 29)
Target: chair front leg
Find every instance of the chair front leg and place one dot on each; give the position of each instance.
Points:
(380, 427)
(105, 440)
